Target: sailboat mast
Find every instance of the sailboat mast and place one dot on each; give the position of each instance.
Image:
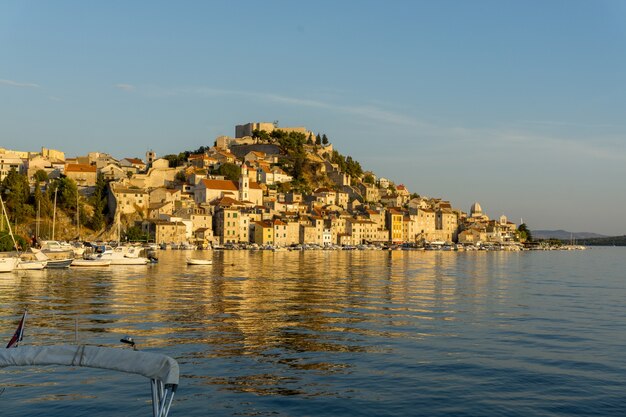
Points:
(77, 215)
(6, 216)
(37, 225)
(54, 212)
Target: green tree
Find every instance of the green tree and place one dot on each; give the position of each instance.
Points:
(262, 135)
(6, 243)
(99, 202)
(134, 234)
(180, 176)
(67, 193)
(41, 175)
(15, 191)
(324, 140)
(177, 160)
(229, 171)
(524, 233)
(368, 179)
(318, 139)
(353, 167)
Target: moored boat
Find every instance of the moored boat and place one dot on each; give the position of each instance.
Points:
(91, 262)
(31, 264)
(192, 261)
(121, 255)
(9, 263)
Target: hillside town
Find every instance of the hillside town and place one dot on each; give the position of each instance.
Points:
(266, 197)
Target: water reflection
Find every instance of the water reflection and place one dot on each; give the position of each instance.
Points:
(336, 325)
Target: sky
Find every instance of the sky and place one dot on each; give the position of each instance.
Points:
(519, 105)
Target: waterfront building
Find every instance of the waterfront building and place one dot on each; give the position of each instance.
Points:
(395, 225)
(361, 231)
(263, 232)
(446, 223)
(163, 231)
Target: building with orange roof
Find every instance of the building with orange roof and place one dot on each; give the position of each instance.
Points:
(208, 190)
(84, 175)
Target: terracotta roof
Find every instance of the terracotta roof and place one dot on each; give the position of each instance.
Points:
(135, 161)
(226, 201)
(220, 184)
(80, 168)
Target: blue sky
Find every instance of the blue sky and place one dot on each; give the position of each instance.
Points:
(517, 105)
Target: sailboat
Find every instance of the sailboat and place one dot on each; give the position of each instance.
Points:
(59, 256)
(8, 261)
(35, 260)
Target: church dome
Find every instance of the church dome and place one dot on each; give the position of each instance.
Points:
(476, 209)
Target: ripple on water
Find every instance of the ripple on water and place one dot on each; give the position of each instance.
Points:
(335, 334)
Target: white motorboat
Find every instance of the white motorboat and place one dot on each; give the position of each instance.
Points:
(192, 261)
(122, 255)
(31, 264)
(33, 260)
(59, 256)
(91, 262)
(162, 370)
(9, 263)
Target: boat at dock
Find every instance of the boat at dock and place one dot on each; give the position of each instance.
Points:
(192, 261)
(91, 263)
(120, 255)
(9, 263)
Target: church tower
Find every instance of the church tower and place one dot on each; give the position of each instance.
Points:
(244, 184)
(150, 157)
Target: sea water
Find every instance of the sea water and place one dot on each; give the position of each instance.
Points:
(334, 333)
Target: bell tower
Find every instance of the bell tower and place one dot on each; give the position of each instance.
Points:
(244, 184)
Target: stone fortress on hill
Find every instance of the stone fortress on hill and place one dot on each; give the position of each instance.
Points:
(266, 202)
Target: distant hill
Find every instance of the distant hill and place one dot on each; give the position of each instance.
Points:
(564, 235)
(604, 241)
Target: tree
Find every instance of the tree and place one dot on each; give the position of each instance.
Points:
(318, 139)
(99, 203)
(368, 179)
(352, 167)
(134, 234)
(229, 171)
(262, 135)
(180, 176)
(67, 194)
(16, 192)
(524, 233)
(6, 242)
(41, 175)
(324, 140)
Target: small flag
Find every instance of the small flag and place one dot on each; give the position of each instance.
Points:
(19, 333)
